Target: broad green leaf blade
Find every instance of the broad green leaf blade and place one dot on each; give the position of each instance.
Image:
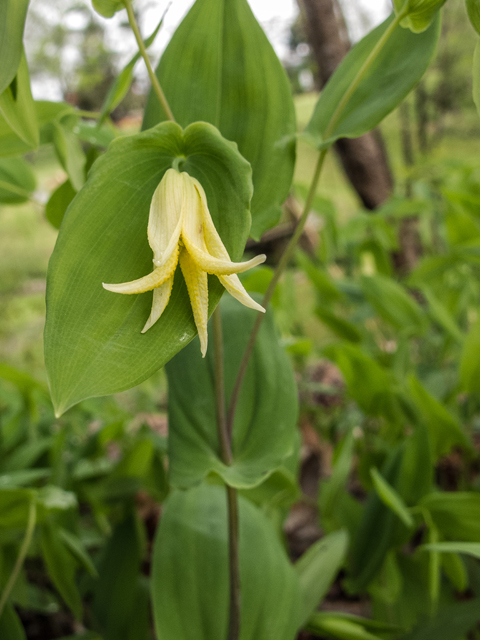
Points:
(46, 112)
(450, 623)
(116, 589)
(443, 430)
(456, 515)
(318, 568)
(394, 305)
(265, 423)
(338, 325)
(12, 23)
(331, 490)
(70, 154)
(77, 549)
(18, 108)
(391, 498)
(468, 548)
(440, 314)
(470, 361)
(473, 10)
(58, 203)
(93, 340)
(219, 67)
(398, 67)
(61, 567)
(10, 626)
(17, 181)
(366, 623)
(190, 571)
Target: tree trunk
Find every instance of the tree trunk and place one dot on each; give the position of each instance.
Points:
(364, 159)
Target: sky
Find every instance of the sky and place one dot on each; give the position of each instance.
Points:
(275, 16)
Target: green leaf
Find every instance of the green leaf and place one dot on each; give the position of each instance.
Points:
(76, 548)
(366, 623)
(443, 430)
(70, 154)
(103, 238)
(12, 23)
(470, 361)
(450, 623)
(116, 589)
(191, 551)
(14, 507)
(17, 181)
(398, 67)
(265, 422)
(440, 314)
(337, 325)
(58, 203)
(473, 10)
(468, 548)
(331, 625)
(319, 277)
(220, 68)
(46, 112)
(61, 567)
(419, 13)
(391, 498)
(107, 8)
(23, 478)
(332, 489)
(10, 626)
(456, 515)
(18, 108)
(318, 568)
(394, 305)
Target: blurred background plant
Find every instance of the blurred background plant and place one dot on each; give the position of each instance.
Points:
(378, 313)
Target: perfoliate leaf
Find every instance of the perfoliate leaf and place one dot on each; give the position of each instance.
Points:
(18, 108)
(93, 340)
(398, 67)
(219, 67)
(265, 423)
(191, 550)
(12, 23)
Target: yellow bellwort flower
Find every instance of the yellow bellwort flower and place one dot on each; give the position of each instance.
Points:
(181, 230)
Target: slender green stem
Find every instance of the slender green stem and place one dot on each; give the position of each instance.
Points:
(234, 564)
(232, 498)
(225, 442)
(284, 260)
(143, 52)
(32, 518)
(92, 115)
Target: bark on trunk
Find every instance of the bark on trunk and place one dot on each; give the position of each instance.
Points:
(364, 159)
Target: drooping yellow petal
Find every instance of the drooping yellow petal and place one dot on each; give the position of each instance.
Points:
(197, 287)
(165, 218)
(236, 289)
(161, 296)
(154, 279)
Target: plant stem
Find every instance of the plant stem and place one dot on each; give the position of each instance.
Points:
(284, 260)
(223, 439)
(143, 52)
(32, 518)
(234, 564)
(232, 498)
